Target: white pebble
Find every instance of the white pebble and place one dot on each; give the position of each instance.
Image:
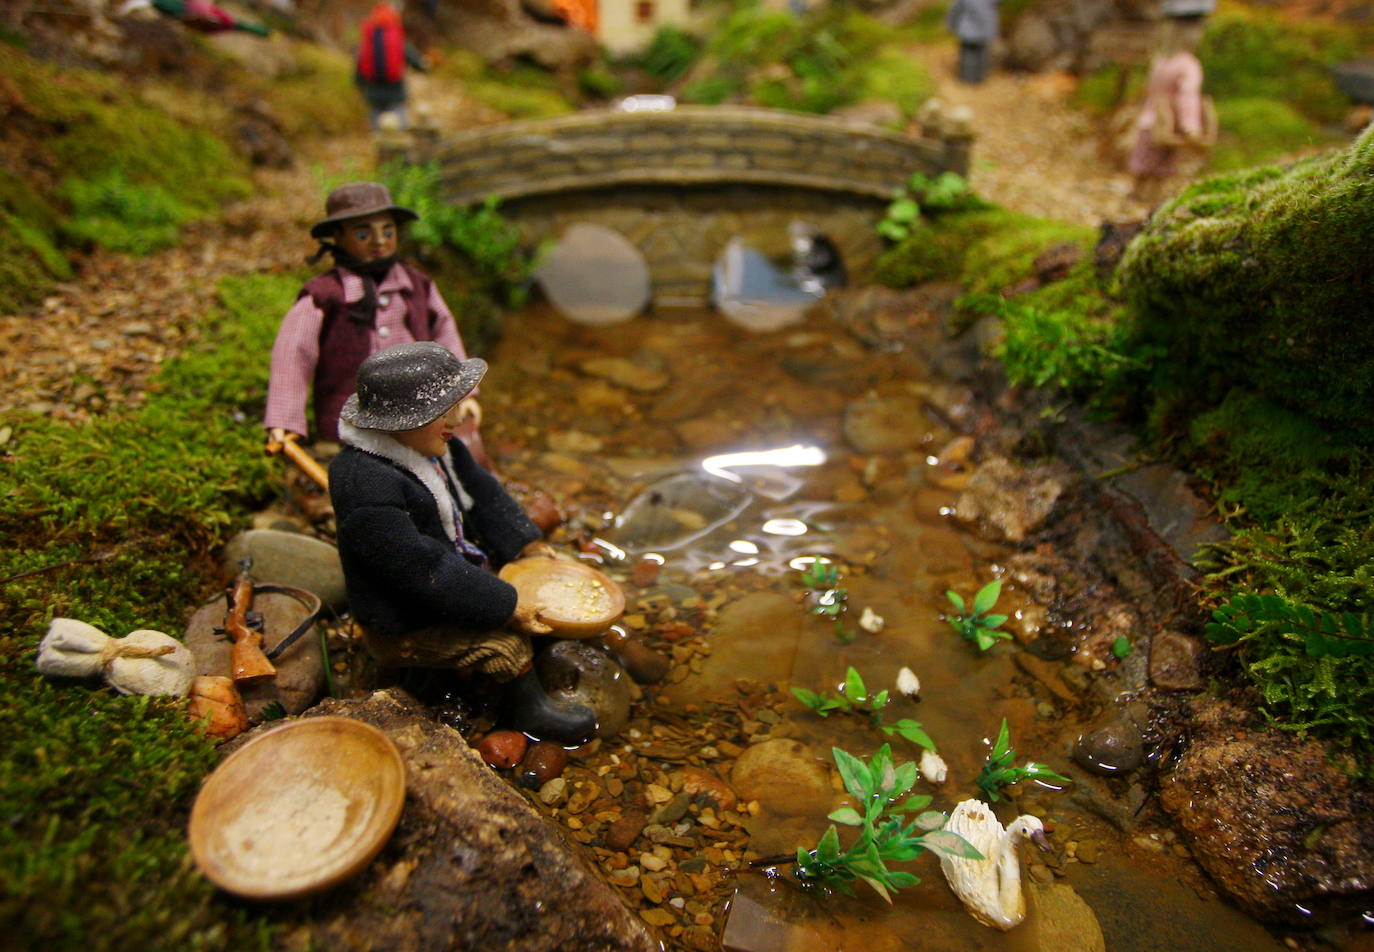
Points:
(871, 621)
(908, 683)
(933, 767)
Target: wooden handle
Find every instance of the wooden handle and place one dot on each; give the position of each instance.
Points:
(301, 458)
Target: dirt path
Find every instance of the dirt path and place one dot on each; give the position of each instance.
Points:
(1034, 151)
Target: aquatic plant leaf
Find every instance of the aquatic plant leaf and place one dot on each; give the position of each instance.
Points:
(912, 731)
(1121, 647)
(930, 820)
(918, 802)
(898, 879)
(810, 698)
(956, 598)
(987, 597)
(854, 772)
(951, 844)
(828, 848)
(905, 780)
(846, 815)
(854, 688)
(992, 621)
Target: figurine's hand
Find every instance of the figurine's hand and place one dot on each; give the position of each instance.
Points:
(538, 549)
(469, 407)
(276, 436)
(526, 618)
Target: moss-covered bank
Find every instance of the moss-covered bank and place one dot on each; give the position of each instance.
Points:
(1241, 349)
(1264, 279)
(113, 521)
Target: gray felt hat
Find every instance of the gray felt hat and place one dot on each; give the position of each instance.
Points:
(409, 385)
(358, 200)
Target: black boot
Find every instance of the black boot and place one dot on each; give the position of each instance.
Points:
(535, 713)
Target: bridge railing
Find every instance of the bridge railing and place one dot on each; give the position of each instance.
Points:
(685, 146)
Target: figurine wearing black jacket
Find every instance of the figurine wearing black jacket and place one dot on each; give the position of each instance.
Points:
(422, 530)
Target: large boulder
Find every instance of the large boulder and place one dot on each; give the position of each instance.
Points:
(1286, 833)
(470, 866)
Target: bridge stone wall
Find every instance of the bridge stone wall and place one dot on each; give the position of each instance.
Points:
(679, 184)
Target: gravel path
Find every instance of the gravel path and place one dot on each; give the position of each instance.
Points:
(1034, 151)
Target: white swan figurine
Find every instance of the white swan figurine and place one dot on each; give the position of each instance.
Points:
(990, 888)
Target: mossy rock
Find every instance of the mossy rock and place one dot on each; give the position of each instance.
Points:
(1264, 278)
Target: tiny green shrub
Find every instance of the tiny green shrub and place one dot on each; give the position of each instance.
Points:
(490, 244)
(884, 834)
(115, 214)
(670, 54)
(998, 771)
(972, 622)
(854, 699)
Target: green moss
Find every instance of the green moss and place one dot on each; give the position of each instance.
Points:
(1254, 54)
(1254, 131)
(1109, 87)
(1260, 279)
(129, 173)
(521, 92)
(828, 58)
(318, 97)
(122, 515)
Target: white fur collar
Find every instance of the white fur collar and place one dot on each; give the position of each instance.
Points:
(383, 444)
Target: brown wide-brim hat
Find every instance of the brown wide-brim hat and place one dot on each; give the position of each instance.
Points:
(409, 385)
(358, 200)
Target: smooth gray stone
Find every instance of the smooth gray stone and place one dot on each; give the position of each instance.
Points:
(677, 509)
(289, 558)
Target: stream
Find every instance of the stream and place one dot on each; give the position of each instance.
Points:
(733, 459)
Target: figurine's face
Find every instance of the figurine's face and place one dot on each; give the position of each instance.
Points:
(370, 238)
(432, 438)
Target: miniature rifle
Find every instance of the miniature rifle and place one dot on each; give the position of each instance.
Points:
(247, 662)
(297, 454)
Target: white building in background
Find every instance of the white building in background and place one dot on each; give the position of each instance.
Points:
(624, 26)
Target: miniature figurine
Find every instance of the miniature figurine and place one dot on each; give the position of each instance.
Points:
(383, 54)
(1176, 118)
(196, 15)
(422, 529)
(974, 22)
(990, 888)
(368, 301)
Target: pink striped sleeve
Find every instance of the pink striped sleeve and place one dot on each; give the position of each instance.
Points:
(294, 355)
(445, 327)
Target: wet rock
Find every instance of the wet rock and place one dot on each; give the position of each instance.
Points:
(576, 671)
(543, 762)
(300, 669)
(1176, 662)
(784, 776)
(1284, 832)
(1010, 500)
(486, 871)
(1061, 921)
(626, 373)
(593, 275)
(503, 749)
(289, 558)
(643, 663)
(696, 781)
(884, 424)
(623, 832)
(677, 509)
(1110, 751)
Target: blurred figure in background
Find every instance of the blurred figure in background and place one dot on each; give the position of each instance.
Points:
(383, 54)
(974, 22)
(1176, 119)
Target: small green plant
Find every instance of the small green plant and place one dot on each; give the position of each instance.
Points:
(998, 772)
(853, 699)
(974, 623)
(830, 599)
(670, 54)
(1121, 647)
(946, 192)
(886, 835)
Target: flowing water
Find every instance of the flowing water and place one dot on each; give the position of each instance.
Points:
(725, 456)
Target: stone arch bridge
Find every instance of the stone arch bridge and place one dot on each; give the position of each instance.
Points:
(678, 184)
